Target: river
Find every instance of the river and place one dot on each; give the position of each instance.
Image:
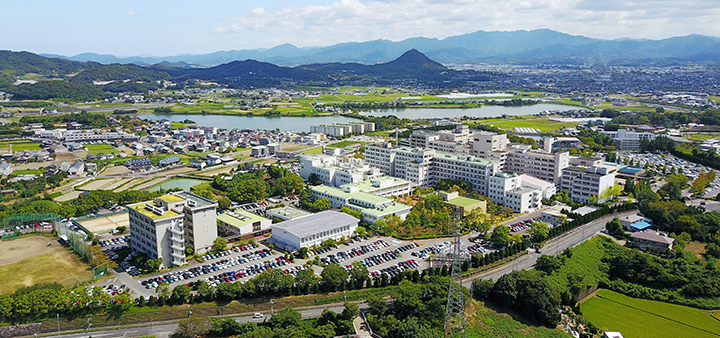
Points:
(285, 123)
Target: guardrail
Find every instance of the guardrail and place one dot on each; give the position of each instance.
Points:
(367, 324)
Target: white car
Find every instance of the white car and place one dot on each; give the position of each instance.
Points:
(258, 315)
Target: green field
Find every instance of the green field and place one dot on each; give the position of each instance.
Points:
(314, 151)
(25, 146)
(14, 141)
(100, 148)
(542, 123)
(586, 261)
(702, 137)
(639, 318)
(29, 171)
(714, 98)
(482, 322)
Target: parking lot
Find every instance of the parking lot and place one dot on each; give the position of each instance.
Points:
(382, 255)
(690, 169)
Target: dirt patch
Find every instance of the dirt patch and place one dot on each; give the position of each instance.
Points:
(696, 248)
(223, 170)
(14, 251)
(96, 185)
(149, 183)
(285, 146)
(69, 196)
(67, 157)
(117, 184)
(115, 170)
(104, 224)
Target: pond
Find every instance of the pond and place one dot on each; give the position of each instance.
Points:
(292, 123)
(182, 183)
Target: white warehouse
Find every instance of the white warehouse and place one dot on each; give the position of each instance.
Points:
(313, 229)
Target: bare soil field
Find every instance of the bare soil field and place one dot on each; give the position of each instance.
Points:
(28, 261)
(104, 224)
(97, 184)
(115, 170)
(69, 196)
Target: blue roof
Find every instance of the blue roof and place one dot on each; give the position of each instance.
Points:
(631, 170)
(642, 225)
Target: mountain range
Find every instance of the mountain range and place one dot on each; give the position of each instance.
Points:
(515, 47)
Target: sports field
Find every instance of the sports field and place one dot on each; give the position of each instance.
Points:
(639, 318)
(542, 123)
(102, 225)
(29, 260)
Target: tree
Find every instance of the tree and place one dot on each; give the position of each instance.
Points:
(180, 294)
(548, 264)
(614, 227)
(274, 282)
(219, 244)
(539, 231)
(359, 273)
(285, 318)
(313, 179)
(610, 192)
(352, 212)
(192, 327)
(306, 281)
(189, 251)
(360, 232)
(333, 276)
(481, 288)
(500, 236)
(224, 203)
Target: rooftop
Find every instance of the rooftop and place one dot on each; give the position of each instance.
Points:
(240, 218)
(464, 158)
(363, 196)
(140, 207)
(289, 212)
(170, 198)
(653, 237)
(641, 225)
(312, 224)
(367, 185)
(390, 209)
(584, 210)
(463, 202)
(632, 218)
(199, 201)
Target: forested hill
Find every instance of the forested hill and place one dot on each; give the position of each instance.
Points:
(412, 65)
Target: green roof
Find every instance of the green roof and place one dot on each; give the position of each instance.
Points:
(140, 207)
(244, 219)
(463, 202)
(363, 196)
(170, 198)
(367, 185)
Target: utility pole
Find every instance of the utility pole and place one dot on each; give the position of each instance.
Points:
(455, 309)
(58, 322)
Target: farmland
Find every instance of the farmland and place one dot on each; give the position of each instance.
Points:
(25, 146)
(542, 123)
(639, 318)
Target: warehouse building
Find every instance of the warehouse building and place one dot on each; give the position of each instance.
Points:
(313, 229)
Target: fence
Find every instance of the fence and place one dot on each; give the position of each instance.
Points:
(85, 218)
(75, 239)
(22, 219)
(367, 325)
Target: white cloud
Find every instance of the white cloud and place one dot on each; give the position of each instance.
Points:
(131, 14)
(362, 20)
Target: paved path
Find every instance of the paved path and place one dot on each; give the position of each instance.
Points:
(164, 330)
(552, 247)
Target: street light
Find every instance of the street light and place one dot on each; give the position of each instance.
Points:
(272, 310)
(345, 295)
(58, 322)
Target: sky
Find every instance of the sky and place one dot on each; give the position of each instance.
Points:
(163, 27)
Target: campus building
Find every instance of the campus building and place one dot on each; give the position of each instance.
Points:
(371, 207)
(243, 224)
(343, 129)
(165, 227)
(581, 183)
(286, 213)
(313, 229)
(629, 140)
(333, 172)
(543, 164)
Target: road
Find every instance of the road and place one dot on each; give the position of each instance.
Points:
(164, 330)
(552, 247)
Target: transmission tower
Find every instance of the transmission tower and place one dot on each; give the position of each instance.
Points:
(455, 310)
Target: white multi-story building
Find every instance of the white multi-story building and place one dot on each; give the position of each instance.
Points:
(581, 183)
(244, 224)
(163, 228)
(426, 167)
(509, 189)
(372, 207)
(313, 229)
(84, 136)
(451, 141)
(522, 159)
(629, 140)
(342, 129)
(334, 172)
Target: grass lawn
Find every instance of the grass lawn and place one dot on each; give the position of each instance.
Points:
(29, 171)
(542, 123)
(586, 261)
(702, 136)
(14, 141)
(100, 148)
(639, 318)
(314, 151)
(346, 143)
(46, 267)
(482, 322)
(25, 146)
(714, 98)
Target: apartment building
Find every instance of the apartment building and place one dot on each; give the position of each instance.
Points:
(581, 183)
(342, 129)
(165, 227)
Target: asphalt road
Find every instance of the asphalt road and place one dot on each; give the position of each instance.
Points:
(164, 330)
(552, 247)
